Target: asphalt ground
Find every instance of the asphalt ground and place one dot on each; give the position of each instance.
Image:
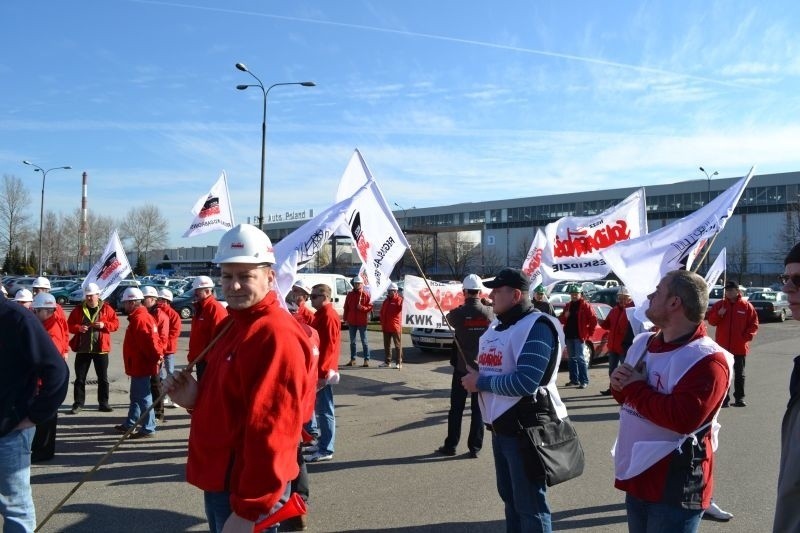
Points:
(385, 476)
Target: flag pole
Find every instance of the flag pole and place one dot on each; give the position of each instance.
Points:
(708, 249)
(224, 328)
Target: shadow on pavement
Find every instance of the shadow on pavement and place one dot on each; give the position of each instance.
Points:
(99, 518)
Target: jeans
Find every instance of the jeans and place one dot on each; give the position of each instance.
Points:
(82, 362)
(16, 499)
(326, 420)
(362, 331)
(646, 517)
(525, 501)
(388, 340)
(578, 368)
(169, 365)
(141, 400)
(458, 401)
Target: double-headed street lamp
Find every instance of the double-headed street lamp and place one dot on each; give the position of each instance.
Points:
(37, 168)
(708, 195)
(265, 92)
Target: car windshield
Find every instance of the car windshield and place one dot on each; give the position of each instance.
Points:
(716, 292)
(769, 296)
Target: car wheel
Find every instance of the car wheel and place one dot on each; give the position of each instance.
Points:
(185, 312)
(61, 300)
(782, 316)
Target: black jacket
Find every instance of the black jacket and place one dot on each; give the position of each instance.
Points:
(469, 321)
(27, 355)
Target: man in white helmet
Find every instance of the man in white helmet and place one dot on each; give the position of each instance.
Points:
(174, 319)
(356, 314)
(247, 413)
(42, 285)
(24, 298)
(91, 323)
(162, 321)
(141, 351)
(469, 321)
(208, 314)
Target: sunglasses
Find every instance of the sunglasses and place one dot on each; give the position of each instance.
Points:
(794, 278)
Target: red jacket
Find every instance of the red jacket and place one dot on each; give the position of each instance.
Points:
(174, 321)
(587, 320)
(94, 340)
(162, 321)
(737, 327)
(329, 327)
(617, 325)
(249, 410)
(141, 348)
(58, 332)
(357, 308)
(311, 393)
(391, 314)
(208, 314)
(692, 403)
(304, 315)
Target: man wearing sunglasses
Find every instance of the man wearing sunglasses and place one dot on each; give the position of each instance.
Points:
(787, 512)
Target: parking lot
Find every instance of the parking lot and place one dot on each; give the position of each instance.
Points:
(385, 476)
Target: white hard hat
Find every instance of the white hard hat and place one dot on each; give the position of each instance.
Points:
(41, 283)
(90, 289)
(473, 283)
(245, 244)
(393, 287)
(165, 293)
(357, 279)
(23, 295)
(149, 290)
(132, 293)
(303, 286)
(202, 282)
(623, 291)
(44, 300)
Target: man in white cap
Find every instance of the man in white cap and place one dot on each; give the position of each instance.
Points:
(24, 298)
(208, 314)
(42, 285)
(141, 352)
(162, 321)
(91, 323)
(356, 314)
(168, 367)
(248, 411)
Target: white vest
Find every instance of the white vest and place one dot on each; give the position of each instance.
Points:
(497, 356)
(641, 443)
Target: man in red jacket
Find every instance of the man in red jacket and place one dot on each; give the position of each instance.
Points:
(328, 326)
(141, 352)
(208, 314)
(356, 314)
(91, 324)
(300, 294)
(392, 326)
(162, 321)
(579, 322)
(736, 321)
(670, 389)
(247, 411)
(174, 319)
(617, 325)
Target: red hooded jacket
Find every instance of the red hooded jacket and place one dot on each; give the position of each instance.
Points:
(94, 340)
(141, 348)
(174, 333)
(617, 325)
(391, 314)
(736, 327)
(587, 320)
(208, 314)
(249, 411)
(357, 308)
(55, 328)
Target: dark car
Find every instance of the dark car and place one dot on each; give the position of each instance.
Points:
(61, 294)
(605, 296)
(597, 342)
(184, 304)
(771, 305)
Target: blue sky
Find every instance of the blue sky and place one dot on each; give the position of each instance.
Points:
(449, 101)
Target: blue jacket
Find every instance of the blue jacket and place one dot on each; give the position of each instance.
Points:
(28, 356)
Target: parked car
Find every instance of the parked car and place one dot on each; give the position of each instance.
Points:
(61, 294)
(184, 305)
(586, 286)
(605, 283)
(19, 283)
(597, 342)
(375, 314)
(771, 305)
(718, 293)
(605, 296)
(432, 339)
(559, 297)
(76, 296)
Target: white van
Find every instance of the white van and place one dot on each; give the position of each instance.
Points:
(339, 285)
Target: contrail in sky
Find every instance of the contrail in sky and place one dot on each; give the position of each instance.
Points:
(518, 49)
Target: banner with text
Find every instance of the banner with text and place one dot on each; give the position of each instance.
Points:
(419, 302)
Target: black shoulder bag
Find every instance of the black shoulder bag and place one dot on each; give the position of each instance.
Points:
(550, 447)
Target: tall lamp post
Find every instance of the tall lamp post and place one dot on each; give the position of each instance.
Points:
(405, 220)
(37, 168)
(265, 92)
(708, 198)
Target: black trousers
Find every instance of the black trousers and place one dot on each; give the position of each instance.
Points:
(155, 390)
(43, 447)
(458, 401)
(82, 362)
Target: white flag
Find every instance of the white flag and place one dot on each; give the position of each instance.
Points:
(376, 234)
(533, 261)
(717, 268)
(641, 263)
(212, 211)
(112, 267)
(574, 243)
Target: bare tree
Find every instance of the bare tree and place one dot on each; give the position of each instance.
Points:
(788, 233)
(492, 263)
(146, 228)
(458, 253)
(737, 261)
(14, 201)
(422, 246)
(521, 252)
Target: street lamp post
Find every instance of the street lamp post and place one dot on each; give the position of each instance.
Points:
(37, 168)
(405, 219)
(708, 198)
(265, 92)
